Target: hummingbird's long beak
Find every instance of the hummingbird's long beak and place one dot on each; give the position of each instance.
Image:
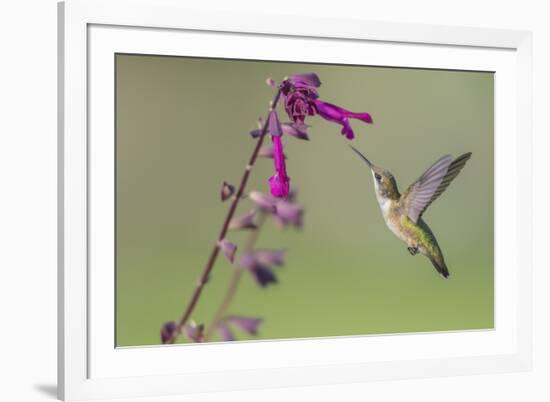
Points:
(362, 156)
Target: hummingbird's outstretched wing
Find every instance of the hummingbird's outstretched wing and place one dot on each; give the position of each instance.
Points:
(432, 184)
(453, 171)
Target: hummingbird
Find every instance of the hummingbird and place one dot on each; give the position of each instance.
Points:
(403, 212)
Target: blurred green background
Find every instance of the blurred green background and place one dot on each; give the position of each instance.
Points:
(182, 129)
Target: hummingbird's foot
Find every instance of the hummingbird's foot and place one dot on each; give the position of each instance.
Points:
(413, 250)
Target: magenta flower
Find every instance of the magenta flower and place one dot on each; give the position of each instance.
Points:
(339, 115)
(301, 100)
(279, 183)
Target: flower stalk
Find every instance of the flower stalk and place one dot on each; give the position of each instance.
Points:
(230, 213)
(300, 98)
(235, 279)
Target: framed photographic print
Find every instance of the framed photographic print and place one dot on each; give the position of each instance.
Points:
(283, 205)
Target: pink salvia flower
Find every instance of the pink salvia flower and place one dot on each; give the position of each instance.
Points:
(279, 184)
(337, 114)
(301, 99)
(300, 96)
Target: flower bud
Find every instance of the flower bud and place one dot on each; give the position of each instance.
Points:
(227, 191)
(228, 249)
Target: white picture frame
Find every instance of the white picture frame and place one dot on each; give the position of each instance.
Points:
(90, 367)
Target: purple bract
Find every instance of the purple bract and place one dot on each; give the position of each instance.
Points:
(167, 331)
(246, 324)
(260, 272)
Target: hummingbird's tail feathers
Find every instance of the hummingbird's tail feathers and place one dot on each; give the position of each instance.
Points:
(441, 267)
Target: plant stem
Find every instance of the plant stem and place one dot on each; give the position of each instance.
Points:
(235, 278)
(228, 298)
(216, 249)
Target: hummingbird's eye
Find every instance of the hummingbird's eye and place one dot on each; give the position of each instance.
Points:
(377, 177)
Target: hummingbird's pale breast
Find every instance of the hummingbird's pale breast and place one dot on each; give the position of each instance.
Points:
(401, 226)
(390, 212)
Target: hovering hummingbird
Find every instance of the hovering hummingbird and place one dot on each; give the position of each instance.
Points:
(403, 212)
